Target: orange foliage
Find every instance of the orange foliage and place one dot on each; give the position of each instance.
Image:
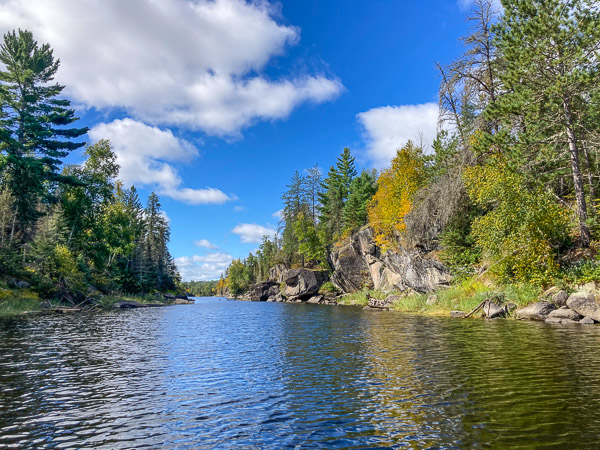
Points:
(393, 200)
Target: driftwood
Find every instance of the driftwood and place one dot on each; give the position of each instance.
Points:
(476, 309)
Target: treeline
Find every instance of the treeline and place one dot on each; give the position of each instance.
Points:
(73, 231)
(511, 185)
(200, 288)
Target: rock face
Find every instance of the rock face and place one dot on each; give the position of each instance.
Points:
(536, 311)
(260, 292)
(359, 264)
(277, 273)
(585, 303)
(303, 283)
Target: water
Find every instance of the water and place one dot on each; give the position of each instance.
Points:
(221, 374)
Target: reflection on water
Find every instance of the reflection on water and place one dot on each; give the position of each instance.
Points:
(241, 374)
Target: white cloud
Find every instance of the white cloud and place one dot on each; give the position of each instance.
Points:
(238, 208)
(204, 243)
(144, 153)
(278, 214)
(202, 268)
(387, 128)
(190, 63)
(251, 233)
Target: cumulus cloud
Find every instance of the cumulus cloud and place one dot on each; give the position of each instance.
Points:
(205, 243)
(251, 233)
(387, 128)
(203, 268)
(190, 63)
(144, 153)
(278, 214)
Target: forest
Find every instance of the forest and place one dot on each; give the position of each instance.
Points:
(67, 231)
(510, 186)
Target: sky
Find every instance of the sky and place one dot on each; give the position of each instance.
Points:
(214, 104)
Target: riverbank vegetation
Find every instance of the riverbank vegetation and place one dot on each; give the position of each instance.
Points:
(509, 188)
(69, 232)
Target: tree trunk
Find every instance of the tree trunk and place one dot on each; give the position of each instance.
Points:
(592, 205)
(577, 179)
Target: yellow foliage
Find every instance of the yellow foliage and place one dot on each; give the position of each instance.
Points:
(523, 225)
(393, 199)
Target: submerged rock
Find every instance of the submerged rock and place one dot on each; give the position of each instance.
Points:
(458, 314)
(536, 311)
(558, 320)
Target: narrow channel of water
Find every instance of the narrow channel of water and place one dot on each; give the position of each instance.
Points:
(269, 375)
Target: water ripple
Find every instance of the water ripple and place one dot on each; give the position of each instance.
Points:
(261, 375)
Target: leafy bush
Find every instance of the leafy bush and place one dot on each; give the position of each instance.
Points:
(523, 227)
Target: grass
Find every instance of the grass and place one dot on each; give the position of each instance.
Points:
(18, 301)
(464, 296)
(107, 301)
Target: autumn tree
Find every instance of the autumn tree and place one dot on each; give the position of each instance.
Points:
(394, 197)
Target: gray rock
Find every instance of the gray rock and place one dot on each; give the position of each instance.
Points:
(277, 273)
(391, 299)
(315, 299)
(377, 303)
(260, 292)
(492, 310)
(458, 314)
(359, 264)
(584, 302)
(304, 283)
(565, 313)
(587, 321)
(560, 298)
(558, 320)
(536, 311)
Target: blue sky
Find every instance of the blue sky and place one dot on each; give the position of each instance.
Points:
(214, 104)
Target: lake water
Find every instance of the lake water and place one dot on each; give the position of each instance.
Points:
(224, 374)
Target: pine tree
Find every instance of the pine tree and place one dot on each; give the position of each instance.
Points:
(552, 70)
(34, 133)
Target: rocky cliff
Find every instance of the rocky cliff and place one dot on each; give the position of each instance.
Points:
(358, 263)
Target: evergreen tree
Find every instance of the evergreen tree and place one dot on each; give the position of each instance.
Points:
(552, 70)
(34, 133)
(362, 190)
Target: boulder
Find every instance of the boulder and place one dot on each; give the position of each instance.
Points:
(565, 313)
(260, 292)
(492, 310)
(585, 303)
(536, 311)
(558, 320)
(183, 301)
(277, 273)
(315, 299)
(458, 314)
(431, 300)
(304, 283)
(587, 321)
(378, 303)
(560, 298)
(350, 268)
(130, 304)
